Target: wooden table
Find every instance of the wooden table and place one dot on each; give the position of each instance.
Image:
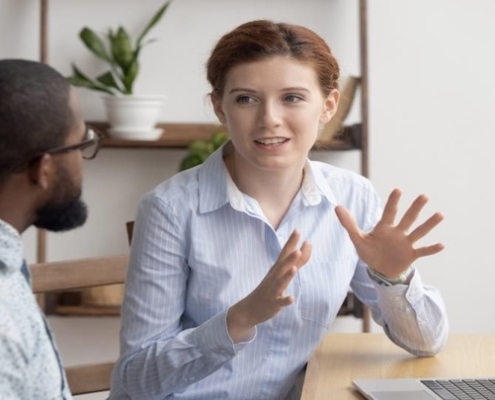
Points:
(340, 358)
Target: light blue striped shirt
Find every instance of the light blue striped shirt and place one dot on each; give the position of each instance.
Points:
(200, 245)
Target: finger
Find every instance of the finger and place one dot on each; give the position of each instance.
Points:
(283, 266)
(428, 250)
(390, 210)
(285, 301)
(284, 279)
(423, 229)
(287, 268)
(412, 213)
(290, 245)
(306, 250)
(349, 223)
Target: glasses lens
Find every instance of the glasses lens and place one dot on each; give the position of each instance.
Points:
(89, 151)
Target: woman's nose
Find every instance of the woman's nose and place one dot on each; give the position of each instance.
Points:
(269, 115)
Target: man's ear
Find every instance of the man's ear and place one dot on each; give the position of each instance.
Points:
(330, 105)
(41, 171)
(217, 107)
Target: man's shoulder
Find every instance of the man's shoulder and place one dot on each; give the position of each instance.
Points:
(25, 347)
(19, 313)
(15, 327)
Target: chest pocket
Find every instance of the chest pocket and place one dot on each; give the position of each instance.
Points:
(324, 286)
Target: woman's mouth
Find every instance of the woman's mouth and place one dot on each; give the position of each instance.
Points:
(271, 141)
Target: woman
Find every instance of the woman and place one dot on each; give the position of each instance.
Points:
(239, 266)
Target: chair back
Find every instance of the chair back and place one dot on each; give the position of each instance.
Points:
(79, 274)
(129, 227)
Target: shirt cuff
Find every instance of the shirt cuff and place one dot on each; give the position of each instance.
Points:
(214, 339)
(412, 291)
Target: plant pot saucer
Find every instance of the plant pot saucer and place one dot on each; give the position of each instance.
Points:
(136, 133)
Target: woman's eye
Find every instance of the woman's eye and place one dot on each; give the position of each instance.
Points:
(244, 99)
(291, 98)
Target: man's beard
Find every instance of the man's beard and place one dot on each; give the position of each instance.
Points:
(65, 210)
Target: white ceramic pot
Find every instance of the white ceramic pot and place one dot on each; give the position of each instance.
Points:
(134, 117)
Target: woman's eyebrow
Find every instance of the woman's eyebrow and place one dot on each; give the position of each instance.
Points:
(287, 89)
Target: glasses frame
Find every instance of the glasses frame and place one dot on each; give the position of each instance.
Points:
(96, 139)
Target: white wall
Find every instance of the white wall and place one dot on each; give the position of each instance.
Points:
(431, 89)
(432, 95)
(173, 65)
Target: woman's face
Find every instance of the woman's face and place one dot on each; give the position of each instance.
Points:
(272, 109)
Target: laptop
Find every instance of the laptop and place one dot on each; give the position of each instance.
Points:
(426, 389)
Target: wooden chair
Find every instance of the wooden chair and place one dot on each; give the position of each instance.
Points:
(351, 306)
(78, 274)
(129, 227)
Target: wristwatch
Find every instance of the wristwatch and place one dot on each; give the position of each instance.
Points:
(386, 281)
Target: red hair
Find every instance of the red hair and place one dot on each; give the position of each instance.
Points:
(257, 40)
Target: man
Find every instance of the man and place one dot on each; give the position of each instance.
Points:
(43, 139)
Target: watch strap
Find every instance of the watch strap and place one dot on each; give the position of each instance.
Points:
(381, 279)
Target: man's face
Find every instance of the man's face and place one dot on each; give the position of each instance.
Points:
(65, 209)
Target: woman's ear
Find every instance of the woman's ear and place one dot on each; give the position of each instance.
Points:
(217, 107)
(41, 171)
(330, 106)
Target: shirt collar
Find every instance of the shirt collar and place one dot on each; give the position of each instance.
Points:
(10, 247)
(315, 185)
(217, 187)
(213, 178)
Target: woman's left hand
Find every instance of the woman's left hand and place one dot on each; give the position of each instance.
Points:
(388, 249)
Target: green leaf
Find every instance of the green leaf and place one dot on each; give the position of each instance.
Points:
(121, 48)
(75, 81)
(219, 138)
(81, 80)
(156, 18)
(88, 85)
(209, 148)
(198, 147)
(78, 73)
(95, 44)
(143, 44)
(108, 79)
(130, 76)
(131, 73)
(190, 161)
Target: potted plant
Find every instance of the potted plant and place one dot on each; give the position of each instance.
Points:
(199, 150)
(130, 116)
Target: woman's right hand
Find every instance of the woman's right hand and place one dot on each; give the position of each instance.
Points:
(269, 297)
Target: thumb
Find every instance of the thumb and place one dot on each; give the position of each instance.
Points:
(349, 223)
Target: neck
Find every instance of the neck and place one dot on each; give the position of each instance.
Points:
(274, 190)
(14, 218)
(16, 206)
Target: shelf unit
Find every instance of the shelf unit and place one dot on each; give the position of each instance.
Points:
(180, 135)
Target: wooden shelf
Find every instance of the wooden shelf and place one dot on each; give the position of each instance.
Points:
(179, 136)
(176, 135)
(87, 310)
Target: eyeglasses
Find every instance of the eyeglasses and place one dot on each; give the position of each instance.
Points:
(89, 146)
